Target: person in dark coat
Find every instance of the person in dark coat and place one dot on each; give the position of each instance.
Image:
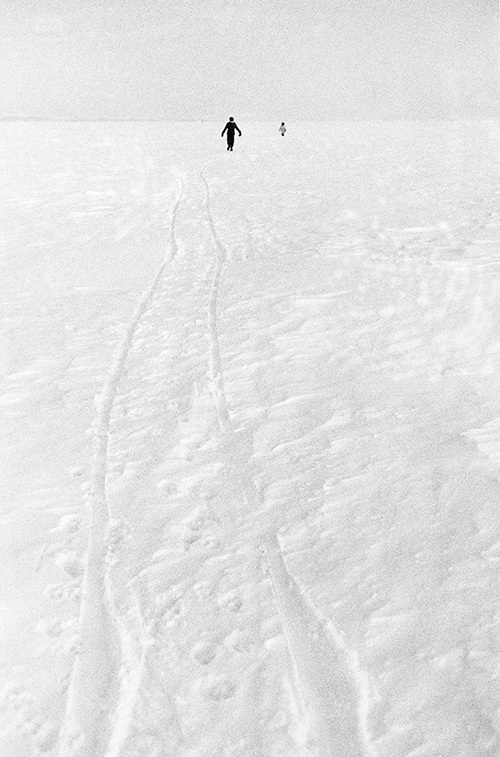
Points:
(230, 127)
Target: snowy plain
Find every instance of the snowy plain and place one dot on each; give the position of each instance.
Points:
(250, 440)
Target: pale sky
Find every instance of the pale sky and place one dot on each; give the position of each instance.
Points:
(267, 59)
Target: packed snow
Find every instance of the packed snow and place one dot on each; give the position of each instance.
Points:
(251, 440)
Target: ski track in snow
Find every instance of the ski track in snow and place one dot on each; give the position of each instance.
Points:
(328, 715)
(92, 695)
(332, 690)
(215, 358)
(331, 719)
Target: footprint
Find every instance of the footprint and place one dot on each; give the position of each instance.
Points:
(68, 591)
(240, 641)
(54, 627)
(28, 719)
(69, 524)
(221, 690)
(201, 528)
(205, 652)
(211, 542)
(70, 563)
(192, 534)
(170, 608)
(231, 602)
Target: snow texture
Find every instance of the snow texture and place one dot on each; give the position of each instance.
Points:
(251, 441)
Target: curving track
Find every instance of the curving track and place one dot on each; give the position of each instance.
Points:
(93, 689)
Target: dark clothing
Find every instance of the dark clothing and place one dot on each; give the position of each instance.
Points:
(230, 127)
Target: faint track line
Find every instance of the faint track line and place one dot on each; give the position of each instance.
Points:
(93, 688)
(215, 356)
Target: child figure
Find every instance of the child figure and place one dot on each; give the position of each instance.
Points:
(282, 129)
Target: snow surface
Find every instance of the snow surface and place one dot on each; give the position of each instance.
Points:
(251, 441)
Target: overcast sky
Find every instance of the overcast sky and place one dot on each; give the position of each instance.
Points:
(276, 59)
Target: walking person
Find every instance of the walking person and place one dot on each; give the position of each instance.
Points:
(230, 127)
(282, 129)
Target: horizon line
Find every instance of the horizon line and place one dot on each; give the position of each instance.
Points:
(258, 119)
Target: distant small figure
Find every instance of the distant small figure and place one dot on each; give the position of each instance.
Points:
(282, 129)
(230, 127)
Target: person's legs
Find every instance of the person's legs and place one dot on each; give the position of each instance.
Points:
(230, 143)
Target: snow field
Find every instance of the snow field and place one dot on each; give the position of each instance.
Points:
(291, 449)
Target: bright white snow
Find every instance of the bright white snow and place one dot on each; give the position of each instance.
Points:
(250, 441)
